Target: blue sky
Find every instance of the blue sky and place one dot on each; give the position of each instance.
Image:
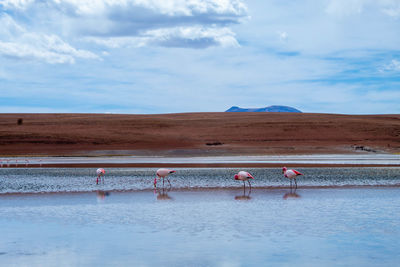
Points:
(159, 56)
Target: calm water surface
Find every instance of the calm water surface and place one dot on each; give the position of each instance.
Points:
(206, 219)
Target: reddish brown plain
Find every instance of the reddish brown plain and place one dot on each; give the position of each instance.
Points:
(197, 134)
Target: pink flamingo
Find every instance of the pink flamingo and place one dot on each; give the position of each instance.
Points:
(163, 173)
(100, 173)
(291, 174)
(244, 176)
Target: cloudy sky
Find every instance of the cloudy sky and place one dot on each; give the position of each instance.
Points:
(163, 56)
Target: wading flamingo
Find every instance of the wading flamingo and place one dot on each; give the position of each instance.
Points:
(163, 173)
(244, 176)
(100, 173)
(291, 174)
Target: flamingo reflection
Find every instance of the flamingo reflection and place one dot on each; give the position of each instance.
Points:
(101, 195)
(162, 194)
(291, 194)
(244, 196)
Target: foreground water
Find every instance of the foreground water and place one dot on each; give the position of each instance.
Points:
(206, 219)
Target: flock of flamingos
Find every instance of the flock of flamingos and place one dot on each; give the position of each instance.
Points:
(240, 176)
(163, 174)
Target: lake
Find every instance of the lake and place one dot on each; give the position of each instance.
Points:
(337, 216)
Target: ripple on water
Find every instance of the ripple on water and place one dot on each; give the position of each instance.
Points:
(46, 180)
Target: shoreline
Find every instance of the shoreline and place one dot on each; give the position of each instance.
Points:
(200, 165)
(260, 161)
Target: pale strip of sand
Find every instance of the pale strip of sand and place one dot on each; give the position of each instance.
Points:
(334, 160)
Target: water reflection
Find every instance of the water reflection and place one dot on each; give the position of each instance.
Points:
(101, 195)
(162, 194)
(291, 194)
(244, 196)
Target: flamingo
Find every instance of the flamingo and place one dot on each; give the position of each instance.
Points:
(244, 176)
(291, 174)
(163, 173)
(100, 172)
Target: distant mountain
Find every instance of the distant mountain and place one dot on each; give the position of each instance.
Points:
(266, 109)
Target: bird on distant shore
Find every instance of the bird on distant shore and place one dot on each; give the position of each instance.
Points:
(100, 174)
(244, 176)
(291, 174)
(163, 173)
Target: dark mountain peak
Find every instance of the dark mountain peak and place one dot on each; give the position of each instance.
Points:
(274, 108)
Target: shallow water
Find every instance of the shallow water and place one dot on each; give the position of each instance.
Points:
(26, 180)
(313, 227)
(59, 217)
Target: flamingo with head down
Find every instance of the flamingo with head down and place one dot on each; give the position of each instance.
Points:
(291, 174)
(163, 173)
(244, 176)
(100, 174)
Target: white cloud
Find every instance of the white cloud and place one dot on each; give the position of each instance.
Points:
(48, 48)
(283, 36)
(174, 23)
(345, 7)
(351, 7)
(17, 4)
(15, 41)
(195, 37)
(170, 7)
(394, 65)
(392, 12)
(9, 28)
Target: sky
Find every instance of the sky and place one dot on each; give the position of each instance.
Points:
(168, 56)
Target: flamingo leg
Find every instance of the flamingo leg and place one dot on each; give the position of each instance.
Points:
(290, 183)
(169, 182)
(97, 180)
(249, 185)
(295, 181)
(163, 182)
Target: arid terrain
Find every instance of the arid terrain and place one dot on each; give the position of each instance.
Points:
(197, 134)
